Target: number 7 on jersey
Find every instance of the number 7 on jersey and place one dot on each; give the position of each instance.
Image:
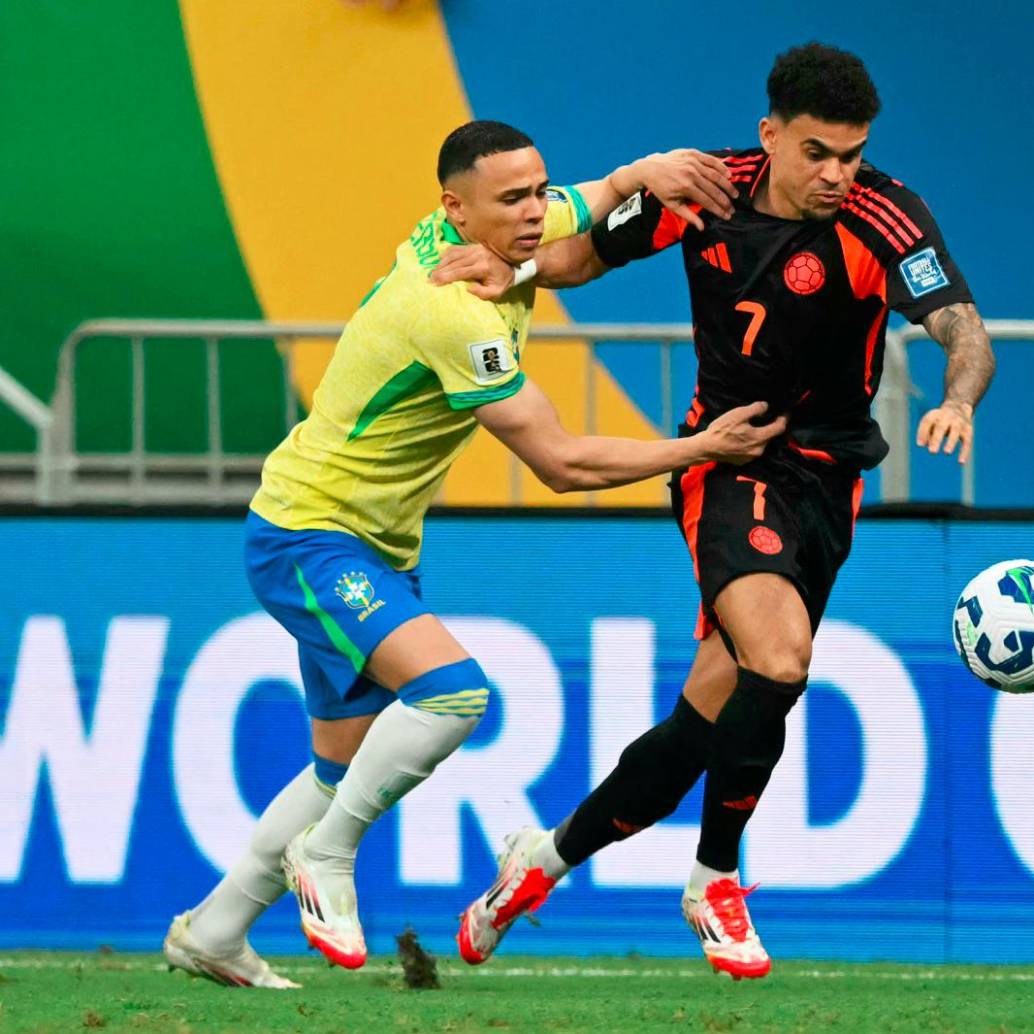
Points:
(757, 316)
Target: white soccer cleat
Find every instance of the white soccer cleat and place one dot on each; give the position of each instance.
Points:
(518, 889)
(244, 968)
(719, 916)
(326, 900)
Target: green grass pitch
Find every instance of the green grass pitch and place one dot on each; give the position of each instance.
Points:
(55, 993)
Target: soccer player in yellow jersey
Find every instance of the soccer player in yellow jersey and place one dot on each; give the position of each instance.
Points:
(333, 535)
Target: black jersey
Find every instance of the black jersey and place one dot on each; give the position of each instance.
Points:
(794, 312)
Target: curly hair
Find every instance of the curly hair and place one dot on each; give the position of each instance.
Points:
(824, 82)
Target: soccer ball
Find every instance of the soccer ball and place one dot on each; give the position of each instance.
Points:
(994, 626)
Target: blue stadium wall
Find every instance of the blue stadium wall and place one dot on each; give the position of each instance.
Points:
(148, 711)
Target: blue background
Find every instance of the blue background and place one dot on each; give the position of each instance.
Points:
(623, 80)
(956, 891)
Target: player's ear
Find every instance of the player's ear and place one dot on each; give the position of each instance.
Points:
(767, 132)
(453, 206)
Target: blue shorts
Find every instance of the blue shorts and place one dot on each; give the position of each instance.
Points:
(339, 599)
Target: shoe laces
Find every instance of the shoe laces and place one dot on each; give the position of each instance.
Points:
(726, 898)
(516, 877)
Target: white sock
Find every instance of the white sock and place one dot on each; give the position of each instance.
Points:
(546, 857)
(221, 922)
(399, 752)
(702, 876)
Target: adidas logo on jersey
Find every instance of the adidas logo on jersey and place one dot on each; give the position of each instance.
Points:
(718, 256)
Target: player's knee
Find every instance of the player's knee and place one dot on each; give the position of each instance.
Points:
(786, 660)
(459, 690)
(784, 669)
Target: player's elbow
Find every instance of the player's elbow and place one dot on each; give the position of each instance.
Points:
(556, 461)
(559, 479)
(560, 473)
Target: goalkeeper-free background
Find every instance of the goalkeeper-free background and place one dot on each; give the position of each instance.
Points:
(150, 709)
(262, 158)
(246, 158)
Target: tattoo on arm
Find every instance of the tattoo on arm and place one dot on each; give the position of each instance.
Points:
(971, 363)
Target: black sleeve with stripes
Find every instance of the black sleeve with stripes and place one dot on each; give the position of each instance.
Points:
(923, 277)
(628, 232)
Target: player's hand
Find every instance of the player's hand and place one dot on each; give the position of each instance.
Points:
(947, 425)
(488, 276)
(683, 177)
(732, 438)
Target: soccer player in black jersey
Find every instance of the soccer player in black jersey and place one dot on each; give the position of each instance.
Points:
(790, 299)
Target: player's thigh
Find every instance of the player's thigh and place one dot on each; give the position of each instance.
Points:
(766, 618)
(341, 601)
(412, 649)
(712, 678)
(830, 520)
(742, 525)
(341, 707)
(337, 739)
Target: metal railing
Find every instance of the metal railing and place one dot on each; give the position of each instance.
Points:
(892, 409)
(139, 476)
(66, 475)
(39, 417)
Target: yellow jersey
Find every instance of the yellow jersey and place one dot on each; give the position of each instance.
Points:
(395, 406)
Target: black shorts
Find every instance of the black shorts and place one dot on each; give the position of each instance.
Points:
(786, 514)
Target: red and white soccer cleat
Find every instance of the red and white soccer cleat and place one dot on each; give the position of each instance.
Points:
(518, 889)
(720, 917)
(242, 968)
(326, 901)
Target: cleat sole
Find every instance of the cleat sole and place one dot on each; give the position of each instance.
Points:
(334, 955)
(468, 952)
(739, 971)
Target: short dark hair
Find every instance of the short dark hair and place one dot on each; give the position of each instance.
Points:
(474, 140)
(823, 82)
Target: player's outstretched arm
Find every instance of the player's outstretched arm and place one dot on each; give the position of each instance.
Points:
(528, 425)
(959, 330)
(679, 179)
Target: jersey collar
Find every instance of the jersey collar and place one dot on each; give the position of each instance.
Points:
(450, 234)
(747, 169)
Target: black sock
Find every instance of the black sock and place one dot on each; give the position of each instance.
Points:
(747, 742)
(652, 776)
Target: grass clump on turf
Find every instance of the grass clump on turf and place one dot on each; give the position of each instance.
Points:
(419, 969)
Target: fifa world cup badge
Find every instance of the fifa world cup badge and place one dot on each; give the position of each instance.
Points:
(357, 592)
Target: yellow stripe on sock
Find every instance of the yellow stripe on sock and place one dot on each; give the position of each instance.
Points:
(477, 705)
(459, 695)
(467, 703)
(462, 711)
(447, 705)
